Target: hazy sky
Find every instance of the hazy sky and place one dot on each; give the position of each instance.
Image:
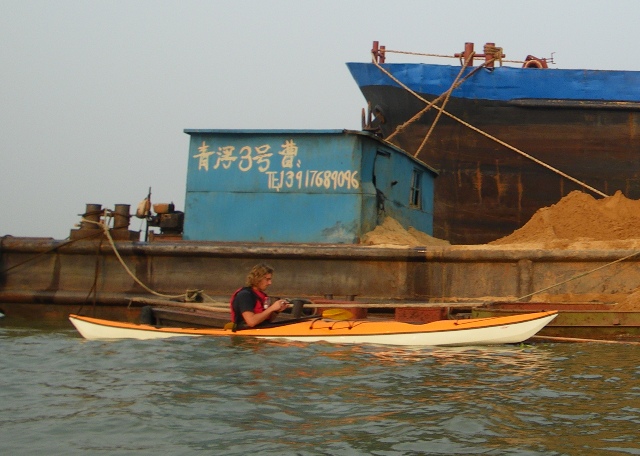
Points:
(95, 95)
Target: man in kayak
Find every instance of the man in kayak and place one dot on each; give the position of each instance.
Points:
(250, 305)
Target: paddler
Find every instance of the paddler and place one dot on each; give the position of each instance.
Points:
(250, 305)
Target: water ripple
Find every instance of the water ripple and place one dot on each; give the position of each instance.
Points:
(63, 395)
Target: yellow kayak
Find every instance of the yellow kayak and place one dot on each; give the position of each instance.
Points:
(477, 331)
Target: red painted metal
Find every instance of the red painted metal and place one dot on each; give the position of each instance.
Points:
(378, 52)
(487, 56)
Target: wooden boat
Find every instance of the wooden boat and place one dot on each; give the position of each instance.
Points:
(163, 313)
(480, 331)
(575, 320)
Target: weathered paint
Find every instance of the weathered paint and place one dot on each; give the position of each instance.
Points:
(328, 186)
(583, 123)
(46, 270)
(581, 320)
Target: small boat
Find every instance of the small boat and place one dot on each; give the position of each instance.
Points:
(478, 331)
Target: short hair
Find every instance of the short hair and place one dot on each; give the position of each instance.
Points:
(257, 273)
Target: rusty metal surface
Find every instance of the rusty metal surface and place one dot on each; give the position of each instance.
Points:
(23, 311)
(54, 274)
(544, 306)
(485, 191)
(589, 321)
(49, 270)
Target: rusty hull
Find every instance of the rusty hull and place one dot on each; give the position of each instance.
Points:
(578, 320)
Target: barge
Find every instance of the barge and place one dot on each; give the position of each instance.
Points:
(506, 140)
(579, 320)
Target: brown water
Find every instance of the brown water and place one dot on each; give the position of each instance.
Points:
(63, 395)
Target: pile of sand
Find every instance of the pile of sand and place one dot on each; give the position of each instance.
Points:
(392, 234)
(580, 221)
(631, 302)
(577, 221)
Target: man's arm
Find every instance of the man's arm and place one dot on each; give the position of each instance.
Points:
(254, 319)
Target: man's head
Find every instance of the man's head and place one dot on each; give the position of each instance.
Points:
(260, 276)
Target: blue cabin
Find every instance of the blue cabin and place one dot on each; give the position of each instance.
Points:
(301, 186)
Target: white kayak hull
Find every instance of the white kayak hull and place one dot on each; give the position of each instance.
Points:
(482, 331)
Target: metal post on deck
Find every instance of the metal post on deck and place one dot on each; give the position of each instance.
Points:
(378, 52)
(121, 216)
(92, 215)
(468, 51)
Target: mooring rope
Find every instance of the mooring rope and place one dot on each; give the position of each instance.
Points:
(487, 135)
(105, 229)
(497, 53)
(447, 56)
(577, 276)
(448, 93)
(420, 113)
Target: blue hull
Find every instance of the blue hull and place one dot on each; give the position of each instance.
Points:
(506, 83)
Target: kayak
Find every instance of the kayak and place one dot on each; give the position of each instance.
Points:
(476, 331)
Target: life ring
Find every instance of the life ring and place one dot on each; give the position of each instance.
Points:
(532, 64)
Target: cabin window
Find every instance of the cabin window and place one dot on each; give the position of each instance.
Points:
(415, 200)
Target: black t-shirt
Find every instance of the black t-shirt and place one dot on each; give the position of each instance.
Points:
(245, 301)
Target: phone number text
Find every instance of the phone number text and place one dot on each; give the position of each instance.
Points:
(313, 179)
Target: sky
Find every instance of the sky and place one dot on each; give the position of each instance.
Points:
(95, 95)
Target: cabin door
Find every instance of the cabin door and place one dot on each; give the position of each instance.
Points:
(382, 181)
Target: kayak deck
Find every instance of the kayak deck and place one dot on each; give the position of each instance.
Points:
(509, 329)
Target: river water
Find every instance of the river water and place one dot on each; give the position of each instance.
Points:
(62, 395)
